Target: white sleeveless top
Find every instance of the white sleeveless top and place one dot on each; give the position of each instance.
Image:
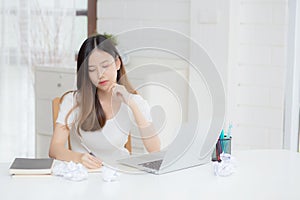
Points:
(108, 142)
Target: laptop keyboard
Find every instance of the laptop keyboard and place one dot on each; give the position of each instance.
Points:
(153, 164)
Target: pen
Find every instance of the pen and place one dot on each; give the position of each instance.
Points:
(219, 150)
(229, 130)
(88, 150)
(222, 141)
(222, 134)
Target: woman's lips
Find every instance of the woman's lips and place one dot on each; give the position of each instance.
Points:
(103, 82)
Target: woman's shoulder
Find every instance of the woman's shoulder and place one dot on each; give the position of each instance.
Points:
(67, 103)
(68, 96)
(68, 100)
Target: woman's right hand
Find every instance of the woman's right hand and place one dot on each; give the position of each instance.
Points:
(89, 161)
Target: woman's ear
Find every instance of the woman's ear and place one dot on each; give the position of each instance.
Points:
(118, 63)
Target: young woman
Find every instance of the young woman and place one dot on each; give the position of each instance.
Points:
(99, 115)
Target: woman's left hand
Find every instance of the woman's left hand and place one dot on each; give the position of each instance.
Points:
(121, 92)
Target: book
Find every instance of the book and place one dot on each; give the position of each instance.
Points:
(97, 170)
(31, 166)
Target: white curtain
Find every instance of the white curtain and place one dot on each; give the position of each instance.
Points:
(31, 33)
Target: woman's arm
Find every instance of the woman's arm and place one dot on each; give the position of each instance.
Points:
(60, 152)
(149, 136)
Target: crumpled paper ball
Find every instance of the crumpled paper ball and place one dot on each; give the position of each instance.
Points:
(226, 167)
(109, 174)
(70, 171)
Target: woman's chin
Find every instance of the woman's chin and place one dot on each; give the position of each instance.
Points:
(103, 88)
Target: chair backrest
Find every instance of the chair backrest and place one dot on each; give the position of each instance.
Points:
(55, 109)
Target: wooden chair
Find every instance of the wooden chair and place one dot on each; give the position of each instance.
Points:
(55, 110)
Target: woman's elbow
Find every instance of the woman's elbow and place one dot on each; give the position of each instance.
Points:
(51, 153)
(154, 146)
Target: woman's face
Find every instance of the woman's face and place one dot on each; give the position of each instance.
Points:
(102, 68)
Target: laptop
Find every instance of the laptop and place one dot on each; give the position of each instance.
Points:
(192, 146)
(197, 137)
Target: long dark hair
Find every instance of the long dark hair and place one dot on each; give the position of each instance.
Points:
(91, 116)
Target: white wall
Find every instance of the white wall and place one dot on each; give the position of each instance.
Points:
(115, 16)
(210, 28)
(258, 73)
(245, 39)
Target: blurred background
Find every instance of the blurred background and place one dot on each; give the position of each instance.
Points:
(253, 43)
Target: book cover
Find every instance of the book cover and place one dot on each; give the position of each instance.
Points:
(32, 166)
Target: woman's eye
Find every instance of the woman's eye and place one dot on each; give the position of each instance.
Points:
(91, 70)
(105, 66)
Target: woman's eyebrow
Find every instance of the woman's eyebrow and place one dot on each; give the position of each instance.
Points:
(99, 63)
(103, 61)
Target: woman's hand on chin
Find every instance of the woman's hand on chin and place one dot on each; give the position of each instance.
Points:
(121, 92)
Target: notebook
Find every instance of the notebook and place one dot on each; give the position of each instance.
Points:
(31, 166)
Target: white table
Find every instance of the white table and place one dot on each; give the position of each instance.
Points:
(261, 174)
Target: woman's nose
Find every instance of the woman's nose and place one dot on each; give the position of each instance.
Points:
(100, 72)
